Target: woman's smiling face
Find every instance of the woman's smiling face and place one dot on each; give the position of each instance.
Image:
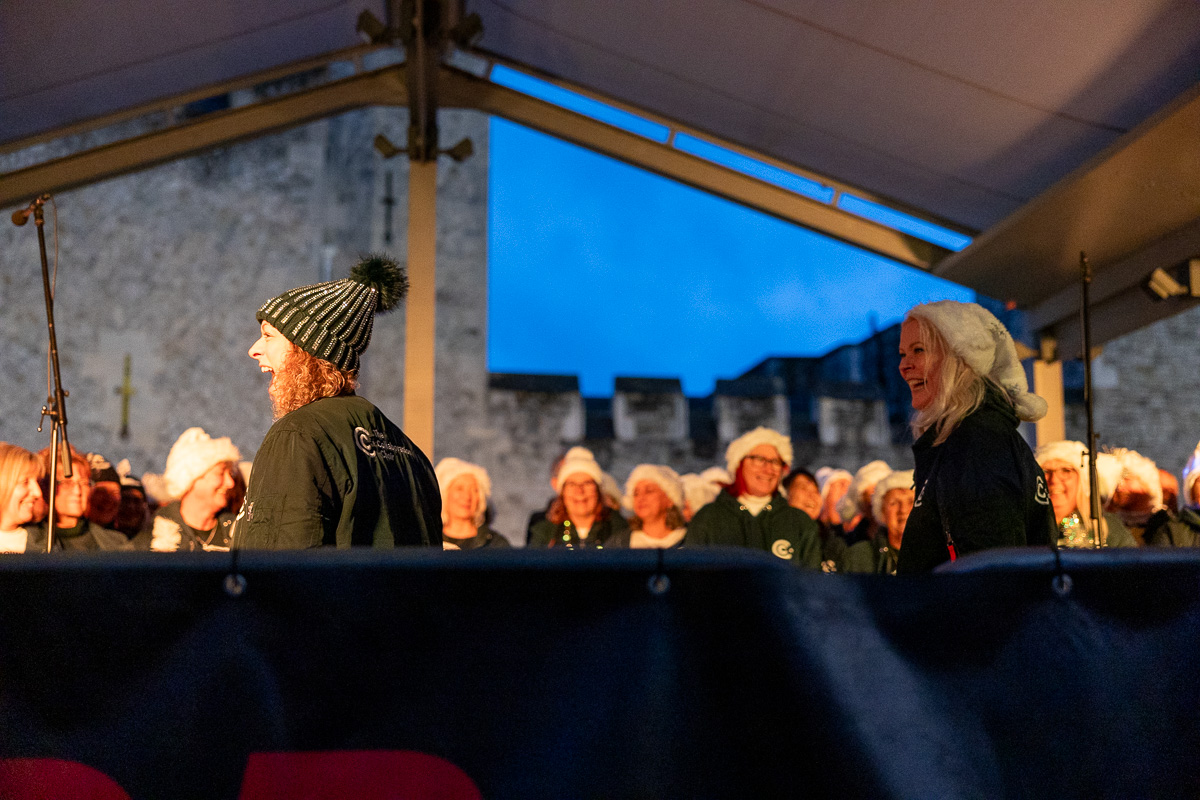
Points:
(920, 370)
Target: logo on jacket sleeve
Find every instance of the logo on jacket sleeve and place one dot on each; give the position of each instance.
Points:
(783, 548)
(1042, 496)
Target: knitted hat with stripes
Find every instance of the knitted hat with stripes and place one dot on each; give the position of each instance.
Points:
(333, 320)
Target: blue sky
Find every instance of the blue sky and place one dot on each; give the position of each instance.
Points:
(600, 269)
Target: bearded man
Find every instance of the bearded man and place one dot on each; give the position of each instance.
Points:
(333, 470)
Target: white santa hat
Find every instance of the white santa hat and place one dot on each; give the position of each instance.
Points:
(1136, 465)
(580, 459)
(450, 469)
(1108, 471)
(978, 338)
(901, 479)
(193, 454)
(697, 492)
(866, 477)
(826, 476)
(1191, 471)
(664, 477)
(740, 447)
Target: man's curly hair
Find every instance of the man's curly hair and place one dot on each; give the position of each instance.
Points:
(306, 378)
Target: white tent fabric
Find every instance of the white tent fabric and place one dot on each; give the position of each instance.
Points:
(963, 110)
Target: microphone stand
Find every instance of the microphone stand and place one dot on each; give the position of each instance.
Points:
(1093, 475)
(56, 404)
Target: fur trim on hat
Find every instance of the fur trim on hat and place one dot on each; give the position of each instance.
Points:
(664, 477)
(1136, 465)
(740, 447)
(450, 469)
(1191, 471)
(698, 492)
(978, 338)
(193, 454)
(902, 479)
(1074, 453)
(1108, 471)
(578, 462)
(827, 476)
(610, 488)
(717, 476)
(867, 476)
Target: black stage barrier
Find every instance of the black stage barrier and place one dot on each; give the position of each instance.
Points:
(616, 675)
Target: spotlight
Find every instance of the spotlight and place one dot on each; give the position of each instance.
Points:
(384, 145)
(461, 151)
(1162, 285)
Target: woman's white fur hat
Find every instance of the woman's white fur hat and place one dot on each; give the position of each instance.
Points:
(1191, 471)
(1108, 470)
(664, 477)
(580, 459)
(901, 479)
(698, 492)
(450, 469)
(1136, 465)
(827, 475)
(866, 477)
(982, 341)
(193, 454)
(1075, 454)
(740, 447)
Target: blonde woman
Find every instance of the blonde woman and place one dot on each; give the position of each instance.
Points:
(466, 489)
(1066, 468)
(20, 471)
(977, 483)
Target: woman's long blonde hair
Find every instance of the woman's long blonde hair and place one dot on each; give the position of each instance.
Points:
(960, 391)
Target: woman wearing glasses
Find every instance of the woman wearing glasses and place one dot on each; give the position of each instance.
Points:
(750, 512)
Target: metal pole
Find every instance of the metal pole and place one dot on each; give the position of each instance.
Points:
(420, 323)
(1092, 443)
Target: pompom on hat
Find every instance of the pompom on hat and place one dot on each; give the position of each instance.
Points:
(193, 454)
(449, 470)
(665, 478)
(333, 320)
(978, 338)
(901, 479)
(740, 447)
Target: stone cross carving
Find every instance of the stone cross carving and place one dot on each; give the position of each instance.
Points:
(389, 201)
(126, 391)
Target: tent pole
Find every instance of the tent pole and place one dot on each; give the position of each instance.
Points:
(420, 321)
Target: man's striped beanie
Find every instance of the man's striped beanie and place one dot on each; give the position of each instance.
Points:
(333, 320)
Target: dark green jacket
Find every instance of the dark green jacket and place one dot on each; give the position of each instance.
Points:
(778, 529)
(338, 473)
(484, 537)
(1183, 531)
(983, 484)
(613, 531)
(871, 556)
(171, 534)
(83, 537)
